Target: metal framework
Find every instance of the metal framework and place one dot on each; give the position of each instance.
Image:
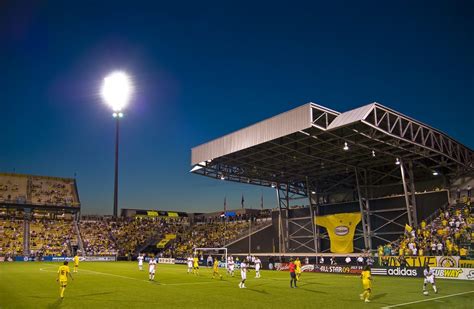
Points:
(315, 149)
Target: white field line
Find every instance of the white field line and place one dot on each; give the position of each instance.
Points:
(423, 300)
(131, 278)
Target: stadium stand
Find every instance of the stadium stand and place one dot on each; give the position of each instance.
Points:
(11, 236)
(450, 232)
(51, 237)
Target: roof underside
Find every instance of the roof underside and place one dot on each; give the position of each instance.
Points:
(306, 144)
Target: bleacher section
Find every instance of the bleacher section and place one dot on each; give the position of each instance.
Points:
(38, 190)
(11, 237)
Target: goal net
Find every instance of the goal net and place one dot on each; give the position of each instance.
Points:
(215, 253)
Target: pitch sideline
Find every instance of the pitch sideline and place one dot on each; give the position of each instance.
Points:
(423, 300)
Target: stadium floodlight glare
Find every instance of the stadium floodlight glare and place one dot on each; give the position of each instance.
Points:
(397, 162)
(346, 147)
(116, 91)
(435, 173)
(373, 153)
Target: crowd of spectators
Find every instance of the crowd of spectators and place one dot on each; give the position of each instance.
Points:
(447, 234)
(11, 237)
(96, 238)
(51, 237)
(51, 191)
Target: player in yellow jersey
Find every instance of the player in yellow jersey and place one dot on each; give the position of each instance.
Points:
(298, 268)
(63, 272)
(76, 263)
(366, 283)
(196, 265)
(215, 269)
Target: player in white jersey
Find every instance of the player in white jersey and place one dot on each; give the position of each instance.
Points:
(243, 273)
(190, 264)
(258, 265)
(140, 262)
(429, 278)
(151, 268)
(230, 266)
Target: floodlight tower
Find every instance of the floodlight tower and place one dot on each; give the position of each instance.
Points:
(116, 91)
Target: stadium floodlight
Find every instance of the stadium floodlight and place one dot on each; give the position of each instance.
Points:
(397, 161)
(435, 173)
(373, 153)
(346, 147)
(116, 91)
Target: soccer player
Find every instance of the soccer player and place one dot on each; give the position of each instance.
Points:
(258, 265)
(243, 273)
(298, 268)
(190, 264)
(429, 278)
(63, 272)
(196, 265)
(230, 266)
(140, 261)
(76, 262)
(292, 268)
(151, 268)
(366, 283)
(215, 269)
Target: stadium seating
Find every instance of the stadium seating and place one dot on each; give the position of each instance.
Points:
(13, 189)
(51, 191)
(51, 237)
(449, 233)
(11, 237)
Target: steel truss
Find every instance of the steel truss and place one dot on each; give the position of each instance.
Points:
(295, 234)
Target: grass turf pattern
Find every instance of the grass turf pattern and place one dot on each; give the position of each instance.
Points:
(122, 285)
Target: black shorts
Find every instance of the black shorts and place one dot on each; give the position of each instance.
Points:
(293, 275)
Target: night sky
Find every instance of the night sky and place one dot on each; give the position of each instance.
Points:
(203, 69)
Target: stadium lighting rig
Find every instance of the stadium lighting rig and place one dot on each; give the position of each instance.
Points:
(116, 92)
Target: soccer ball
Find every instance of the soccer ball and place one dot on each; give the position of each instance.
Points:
(425, 293)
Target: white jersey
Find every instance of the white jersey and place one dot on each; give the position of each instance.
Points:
(429, 276)
(258, 264)
(190, 262)
(230, 264)
(140, 260)
(243, 270)
(152, 265)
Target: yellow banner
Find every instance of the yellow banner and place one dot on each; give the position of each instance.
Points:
(152, 213)
(341, 228)
(466, 263)
(172, 214)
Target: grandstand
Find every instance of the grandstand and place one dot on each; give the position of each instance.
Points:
(391, 169)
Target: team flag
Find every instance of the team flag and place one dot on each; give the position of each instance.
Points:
(242, 202)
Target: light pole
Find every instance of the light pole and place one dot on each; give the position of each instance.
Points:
(116, 92)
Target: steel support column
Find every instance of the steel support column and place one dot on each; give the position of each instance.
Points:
(406, 170)
(364, 208)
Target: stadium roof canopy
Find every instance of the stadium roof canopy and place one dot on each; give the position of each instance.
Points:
(308, 144)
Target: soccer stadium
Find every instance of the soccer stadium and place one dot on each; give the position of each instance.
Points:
(366, 206)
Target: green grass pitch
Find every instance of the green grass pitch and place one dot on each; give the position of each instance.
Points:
(122, 285)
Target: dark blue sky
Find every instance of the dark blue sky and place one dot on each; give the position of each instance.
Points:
(204, 69)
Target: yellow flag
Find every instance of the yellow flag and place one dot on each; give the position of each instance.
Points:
(408, 228)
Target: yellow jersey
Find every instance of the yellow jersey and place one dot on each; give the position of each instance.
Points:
(216, 265)
(76, 260)
(195, 262)
(298, 265)
(366, 279)
(63, 271)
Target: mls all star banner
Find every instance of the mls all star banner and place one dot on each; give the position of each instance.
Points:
(341, 228)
